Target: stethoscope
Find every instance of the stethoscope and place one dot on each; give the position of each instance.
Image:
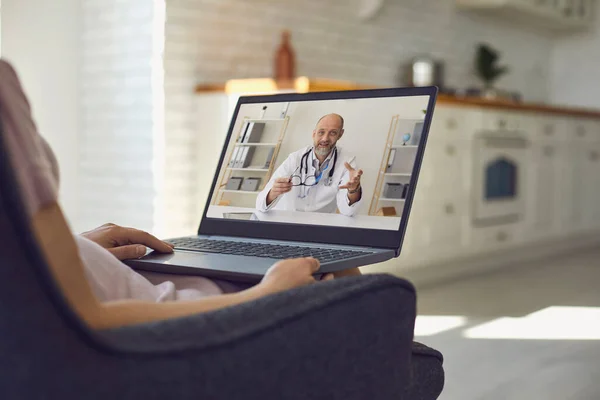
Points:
(304, 160)
(304, 172)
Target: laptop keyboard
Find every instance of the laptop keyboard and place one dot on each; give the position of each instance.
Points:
(263, 250)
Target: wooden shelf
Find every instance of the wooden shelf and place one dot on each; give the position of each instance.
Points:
(265, 172)
(264, 119)
(397, 174)
(257, 144)
(249, 169)
(239, 191)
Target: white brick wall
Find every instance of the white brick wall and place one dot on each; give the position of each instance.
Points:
(117, 181)
(212, 41)
(236, 38)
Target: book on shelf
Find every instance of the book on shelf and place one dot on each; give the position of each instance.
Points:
(252, 134)
(390, 162)
(269, 157)
(236, 149)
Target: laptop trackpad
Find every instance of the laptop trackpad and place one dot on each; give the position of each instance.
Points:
(221, 266)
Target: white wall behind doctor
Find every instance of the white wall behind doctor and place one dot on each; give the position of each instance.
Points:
(364, 137)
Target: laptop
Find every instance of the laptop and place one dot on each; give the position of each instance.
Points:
(315, 143)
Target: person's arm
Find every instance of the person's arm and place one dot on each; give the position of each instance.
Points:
(126, 243)
(265, 201)
(349, 195)
(61, 253)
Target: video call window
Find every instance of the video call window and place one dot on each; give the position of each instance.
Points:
(330, 162)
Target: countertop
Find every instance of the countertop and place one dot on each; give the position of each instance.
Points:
(305, 84)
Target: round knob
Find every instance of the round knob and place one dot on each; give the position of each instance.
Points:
(502, 123)
(449, 208)
(580, 131)
(451, 123)
(594, 155)
(450, 150)
(549, 130)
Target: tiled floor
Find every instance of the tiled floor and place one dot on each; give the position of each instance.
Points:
(559, 360)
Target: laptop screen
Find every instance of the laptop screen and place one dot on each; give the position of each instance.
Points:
(342, 163)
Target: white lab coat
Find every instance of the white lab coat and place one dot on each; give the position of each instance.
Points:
(318, 198)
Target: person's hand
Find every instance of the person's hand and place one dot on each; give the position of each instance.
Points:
(126, 243)
(288, 274)
(353, 183)
(280, 186)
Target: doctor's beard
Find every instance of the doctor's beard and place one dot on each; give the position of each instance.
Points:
(323, 151)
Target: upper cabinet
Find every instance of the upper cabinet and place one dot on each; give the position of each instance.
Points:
(553, 15)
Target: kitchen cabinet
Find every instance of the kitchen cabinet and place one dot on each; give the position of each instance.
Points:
(493, 238)
(547, 135)
(541, 202)
(569, 188)
(442, 196)
(436, 228)
(589, 200)
(552, 15)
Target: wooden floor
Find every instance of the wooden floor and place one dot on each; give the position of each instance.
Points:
(498, 363)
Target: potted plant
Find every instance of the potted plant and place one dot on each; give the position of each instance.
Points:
(488, 69)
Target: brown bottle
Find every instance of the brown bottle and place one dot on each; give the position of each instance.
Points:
(284, 59)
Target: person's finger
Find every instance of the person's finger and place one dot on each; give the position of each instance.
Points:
(328, 277)
(283, 184)
(360, 172)
(313, 263)
(136, 236)
(348, 166)
(128, 252)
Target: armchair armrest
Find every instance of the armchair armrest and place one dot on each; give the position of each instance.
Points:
(348, 338)
(221, 327)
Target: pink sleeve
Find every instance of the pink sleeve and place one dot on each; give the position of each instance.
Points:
(32, 159)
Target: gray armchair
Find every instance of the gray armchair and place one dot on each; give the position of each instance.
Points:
(344, 339)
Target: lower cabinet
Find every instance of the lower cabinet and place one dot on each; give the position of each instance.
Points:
(588, 202)
(562, 188)
(540, 216)
(492, 238)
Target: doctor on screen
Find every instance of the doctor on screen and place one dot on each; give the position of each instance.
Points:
(317, 178)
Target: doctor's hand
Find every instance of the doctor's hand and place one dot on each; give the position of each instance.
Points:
(126, 243)
(288, 274)
(280, 186)
(353, 183)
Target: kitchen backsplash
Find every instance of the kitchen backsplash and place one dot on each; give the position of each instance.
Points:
(235, 38)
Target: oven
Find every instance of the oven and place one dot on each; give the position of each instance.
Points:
(499, 160)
